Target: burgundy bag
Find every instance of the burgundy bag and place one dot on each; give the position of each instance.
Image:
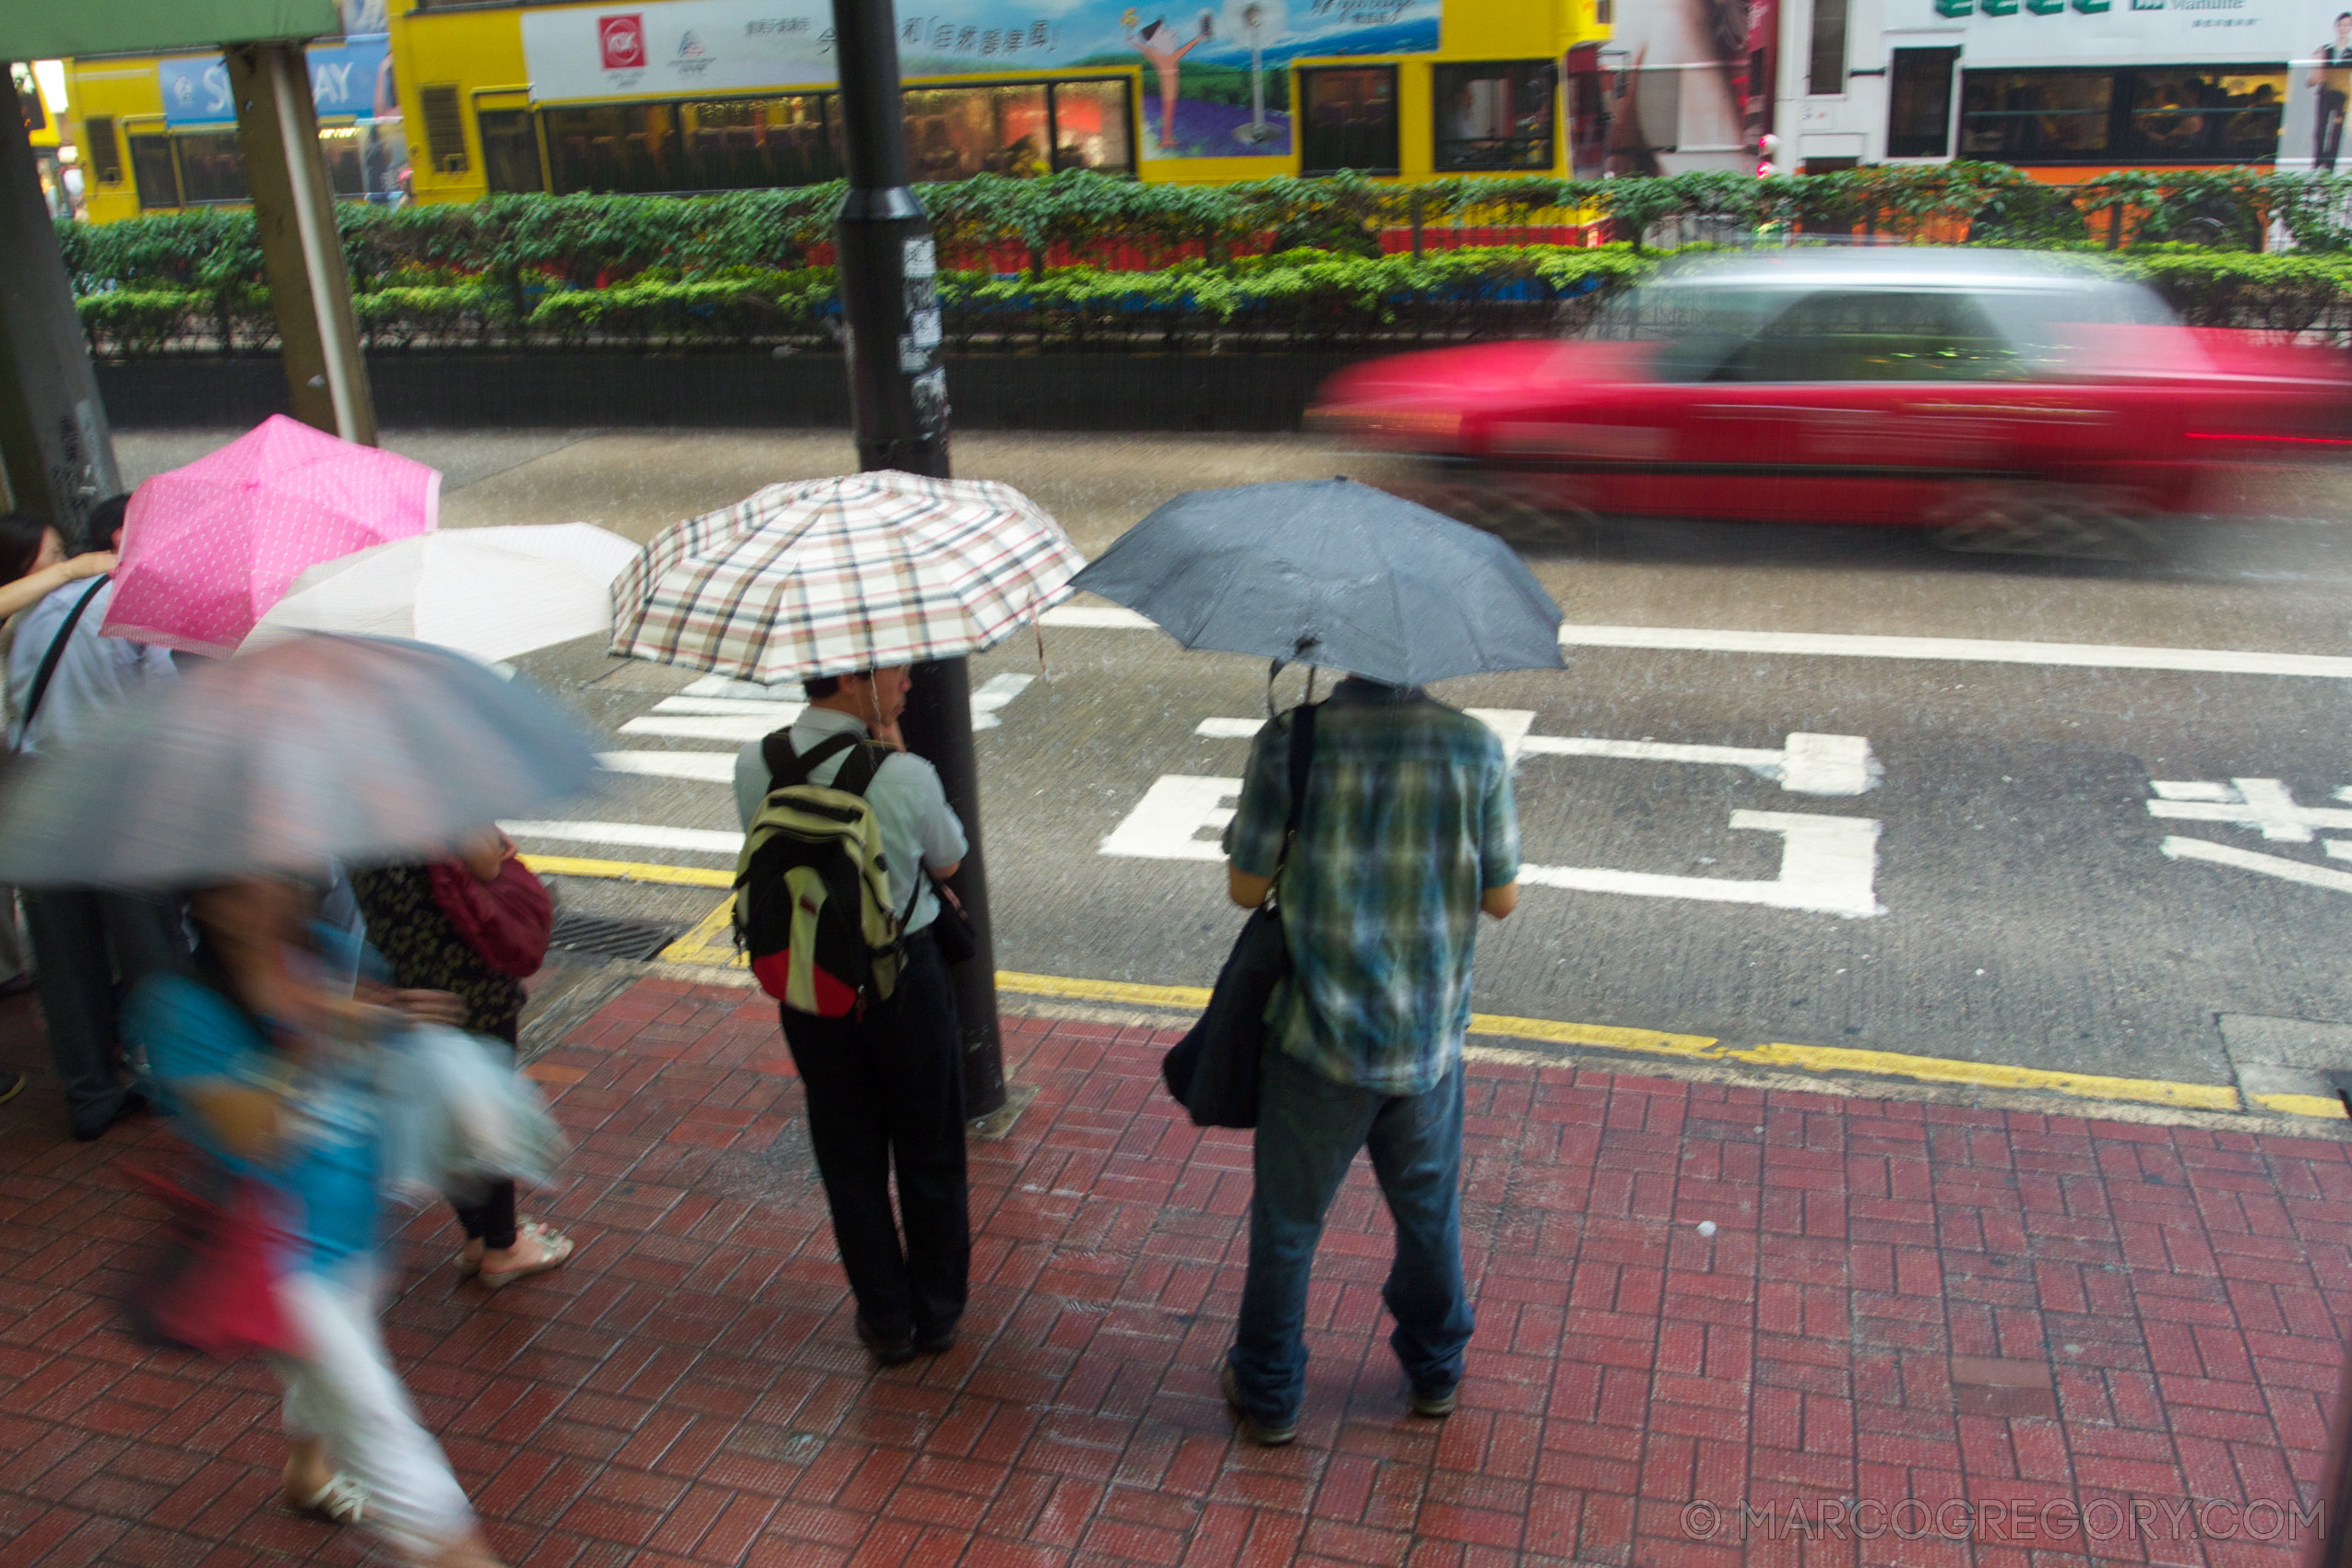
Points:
(216, 1291)
(508, 921)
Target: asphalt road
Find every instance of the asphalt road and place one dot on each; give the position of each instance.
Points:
(1956, 857)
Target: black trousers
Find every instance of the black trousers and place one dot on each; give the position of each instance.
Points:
(90, 949)
(884, 1090)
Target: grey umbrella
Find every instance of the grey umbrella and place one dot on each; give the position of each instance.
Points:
(1334, 573)
(322, 748)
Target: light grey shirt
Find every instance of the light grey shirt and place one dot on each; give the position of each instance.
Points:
(917, 824)
(93, 673)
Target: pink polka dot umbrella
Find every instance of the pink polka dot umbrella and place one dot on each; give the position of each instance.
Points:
(209, 548)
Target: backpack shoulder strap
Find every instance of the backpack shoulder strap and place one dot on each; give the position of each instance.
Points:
(56, 651)
(787, 768)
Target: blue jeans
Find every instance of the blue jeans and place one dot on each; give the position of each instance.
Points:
(1308, 1130)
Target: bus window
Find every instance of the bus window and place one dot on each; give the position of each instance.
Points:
(1091, 127)
(510, 150)
(751, 143)
(1352, 120)
(212, 169)
(955, 132)
(339, 149)
(1494, 116)
(628, 147)
(157, 175)
(104, 153)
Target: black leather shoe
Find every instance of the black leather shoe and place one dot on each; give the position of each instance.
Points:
(132, 1103)
(888, 1350)
(11, 1087)
(936, 1343)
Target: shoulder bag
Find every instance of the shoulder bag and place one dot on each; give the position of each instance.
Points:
(1213, 1071)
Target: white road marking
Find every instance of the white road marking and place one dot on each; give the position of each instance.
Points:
(1964, 650)
(1807, 765)
(2264, 803)
(1174, 811)
(707, 767)
(738, 729)
(648, 835)
(720, 686)
(994, 693)
(1510, 726)
(1102, 617)
(2181, 848)
(2090, 656)
(781, 712)
(1828, 864)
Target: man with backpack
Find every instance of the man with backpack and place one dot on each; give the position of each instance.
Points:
(845, 832)
(89, 948)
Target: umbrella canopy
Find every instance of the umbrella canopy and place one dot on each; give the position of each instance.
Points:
(490, 592)
(1336, 573)
(323, 748)
(838, 575)
(208, 549)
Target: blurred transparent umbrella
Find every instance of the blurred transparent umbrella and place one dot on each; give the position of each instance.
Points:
(323, 748)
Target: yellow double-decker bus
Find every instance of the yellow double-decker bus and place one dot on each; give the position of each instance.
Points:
(159, 131)
(712, 95)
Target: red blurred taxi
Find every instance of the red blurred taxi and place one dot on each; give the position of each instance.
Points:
(1999, 397)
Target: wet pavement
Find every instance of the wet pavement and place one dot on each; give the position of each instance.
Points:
(1716, 1326)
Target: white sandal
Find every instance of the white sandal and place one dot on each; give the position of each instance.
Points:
(554, 1247)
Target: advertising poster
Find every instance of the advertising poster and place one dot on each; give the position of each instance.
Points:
(1214, 79)
(351, 76)
(1689, 85)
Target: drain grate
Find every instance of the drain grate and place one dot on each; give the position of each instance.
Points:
(607, 936)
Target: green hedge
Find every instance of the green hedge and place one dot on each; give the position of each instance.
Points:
(647, 270)
(515, 242)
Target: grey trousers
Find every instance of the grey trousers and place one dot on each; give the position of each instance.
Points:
(89, 949)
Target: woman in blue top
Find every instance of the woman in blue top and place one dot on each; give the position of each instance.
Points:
(268, 1070)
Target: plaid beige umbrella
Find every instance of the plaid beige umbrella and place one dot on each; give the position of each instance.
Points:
(831, 576)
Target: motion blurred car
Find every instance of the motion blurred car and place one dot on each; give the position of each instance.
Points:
(2011, 401)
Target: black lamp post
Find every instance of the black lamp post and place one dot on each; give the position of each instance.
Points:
(898, 397)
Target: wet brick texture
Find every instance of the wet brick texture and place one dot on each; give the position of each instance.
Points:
(2042, 1331)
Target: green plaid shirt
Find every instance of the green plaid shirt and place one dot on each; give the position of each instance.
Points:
(1409, 821)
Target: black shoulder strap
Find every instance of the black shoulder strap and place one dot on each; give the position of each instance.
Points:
(1302, 750)
(787, 768)
(56, 651)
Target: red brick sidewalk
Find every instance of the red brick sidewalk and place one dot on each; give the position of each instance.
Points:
(2048, 1332)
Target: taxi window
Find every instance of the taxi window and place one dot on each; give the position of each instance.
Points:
(1877, 336)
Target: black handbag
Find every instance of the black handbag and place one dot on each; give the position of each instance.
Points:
(1213, 1071)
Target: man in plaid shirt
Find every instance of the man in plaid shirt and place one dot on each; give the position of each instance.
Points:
(1408, 834)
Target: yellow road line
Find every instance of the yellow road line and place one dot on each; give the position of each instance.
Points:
(2301, 1104)
(711, 942)
(630, 871)
(706, 944)
(1989, 1075)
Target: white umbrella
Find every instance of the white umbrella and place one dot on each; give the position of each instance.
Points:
(488, 592)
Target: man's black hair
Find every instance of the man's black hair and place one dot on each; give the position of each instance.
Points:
(820, 687)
